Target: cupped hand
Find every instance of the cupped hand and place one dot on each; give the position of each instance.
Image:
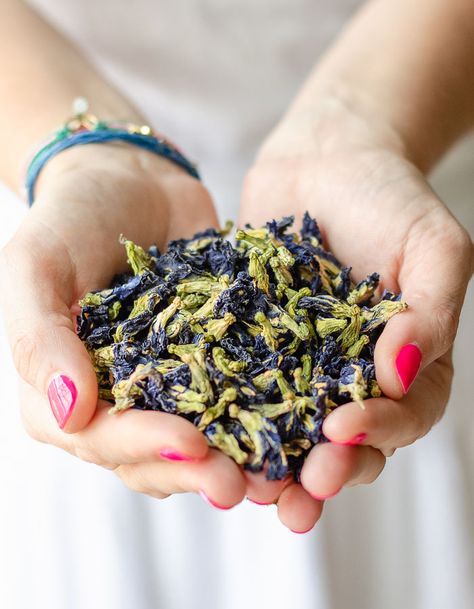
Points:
(68, 245)
(377, 213)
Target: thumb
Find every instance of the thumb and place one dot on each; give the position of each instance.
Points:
(36, 294)
(433, 280)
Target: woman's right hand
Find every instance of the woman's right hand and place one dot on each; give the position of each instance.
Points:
(67, 245)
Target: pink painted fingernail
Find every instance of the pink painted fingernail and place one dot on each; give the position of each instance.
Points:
(324, 497)
(174, 455)
(62, 394)
(408, 363)
(302, 532)
(358, 439)
(259, 502)
(213, 503)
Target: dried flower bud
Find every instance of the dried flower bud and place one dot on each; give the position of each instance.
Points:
(254, 344)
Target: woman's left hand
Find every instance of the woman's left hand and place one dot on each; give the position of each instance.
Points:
(376, 212)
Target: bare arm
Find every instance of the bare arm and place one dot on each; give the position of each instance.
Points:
(386, 101)
(68, 244)
(42, 73)
(407, 65)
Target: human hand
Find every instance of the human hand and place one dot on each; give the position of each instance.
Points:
(68, 245)
(376, 212)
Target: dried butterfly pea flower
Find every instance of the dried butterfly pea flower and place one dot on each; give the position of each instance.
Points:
(254, 343)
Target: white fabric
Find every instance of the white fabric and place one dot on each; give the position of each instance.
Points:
(215, 77)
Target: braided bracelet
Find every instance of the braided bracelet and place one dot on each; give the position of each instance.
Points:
(85, 128)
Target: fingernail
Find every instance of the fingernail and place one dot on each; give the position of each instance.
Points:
(214, 503)
(324, 497)
(358, 439)
(408, 363)
(174, 455)
(259, 502)
(302, 532)
(62, 394)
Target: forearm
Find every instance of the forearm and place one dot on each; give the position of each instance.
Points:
(404, 64)
(42, 73)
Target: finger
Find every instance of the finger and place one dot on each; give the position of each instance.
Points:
(297, 510)
(217, 478)
(37, 292)
(262, 491)
(128, 437)
(435, 269)
(387, 423)
(136, 436)
(329, 467)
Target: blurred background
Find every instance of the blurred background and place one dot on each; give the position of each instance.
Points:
(69, 530)
(73, 537)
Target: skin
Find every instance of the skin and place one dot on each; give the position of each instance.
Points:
(350, 149)
(48, 265)
(354, 149)
(386, 205)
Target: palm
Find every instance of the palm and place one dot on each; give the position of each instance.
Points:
(67, 246)
(371, 208)
(83, 223)
(376, 213)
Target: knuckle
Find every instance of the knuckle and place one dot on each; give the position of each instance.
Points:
(25, 346)
(413, 429)
(90, 456)
(135, 451)
(132, 478)
(86, 451)
(86, 454)
(29, 345)
(446, 323)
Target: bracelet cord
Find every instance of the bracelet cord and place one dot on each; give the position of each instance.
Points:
(85, 128)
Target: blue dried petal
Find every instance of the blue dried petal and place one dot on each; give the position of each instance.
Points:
(221, 258)
(261, 350)
(178, 376)
(126, 287)
(315, 433)
(310, 229)
(296, 374)
(127, 355)
(342, 283)
(278, 228)
(322, 304)
(97, 337)
(288, 364)
(233, 348)
(302, 254)
(367, 286)
(236, 299)
(239, 333)
(157, 343)
(157, 397)
(388, 295)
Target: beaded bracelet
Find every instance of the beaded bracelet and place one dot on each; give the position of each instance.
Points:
(85, 128)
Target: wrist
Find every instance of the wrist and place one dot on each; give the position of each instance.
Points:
(336, 122)
(116, 188)
(86, 128)
(114, 161)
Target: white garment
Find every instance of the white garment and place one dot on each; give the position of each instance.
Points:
(215, 77)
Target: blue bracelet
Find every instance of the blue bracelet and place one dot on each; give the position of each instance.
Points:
(87, 129)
